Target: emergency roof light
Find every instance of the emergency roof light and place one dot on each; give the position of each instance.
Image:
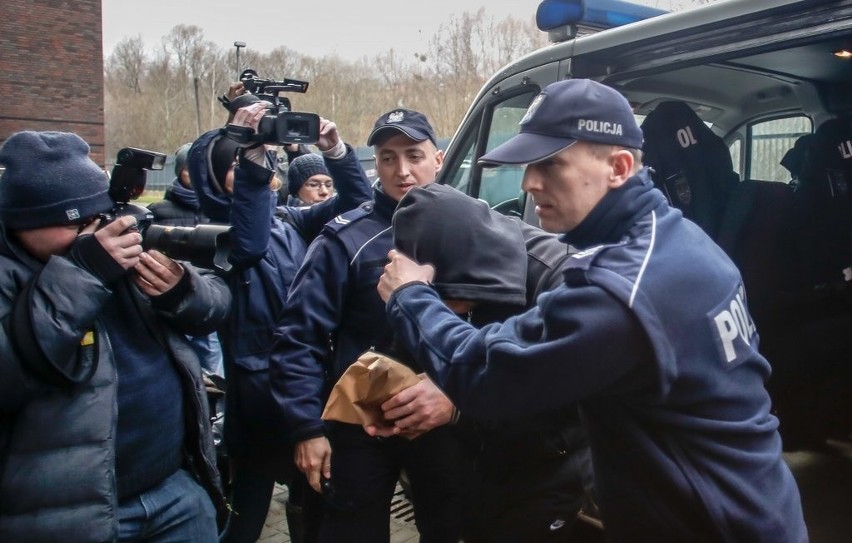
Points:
(560, 18)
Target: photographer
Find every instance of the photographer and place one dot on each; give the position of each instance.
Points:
(268, 247)
(180, 207)
(104, 431)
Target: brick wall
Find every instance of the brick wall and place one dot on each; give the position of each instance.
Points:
(51, 69)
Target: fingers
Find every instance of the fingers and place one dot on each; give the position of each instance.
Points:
(314, 480)
(250, 115)
(157, 273)
(235, 90)
(397, 408)
(326, 467)
(119, 226)
(90, 228)
(328, 135)
(400, 398)
(319, 471)
(313, 458)
(121, 241)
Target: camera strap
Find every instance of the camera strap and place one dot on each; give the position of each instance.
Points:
(241, 134)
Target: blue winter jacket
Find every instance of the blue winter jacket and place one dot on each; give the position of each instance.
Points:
(268, 245)
(651, 334)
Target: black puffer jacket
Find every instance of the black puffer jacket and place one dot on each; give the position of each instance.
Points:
(179, 207)
(58, 407)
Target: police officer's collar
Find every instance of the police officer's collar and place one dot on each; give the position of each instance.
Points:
(385, 205)
(617, 211)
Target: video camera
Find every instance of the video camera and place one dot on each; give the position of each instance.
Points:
(205, 246)
(280, 125)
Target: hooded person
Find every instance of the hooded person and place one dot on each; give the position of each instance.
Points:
(268, 244)
(528, 475)
(179, 206)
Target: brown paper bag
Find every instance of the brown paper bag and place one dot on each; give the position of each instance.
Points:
(370, 381)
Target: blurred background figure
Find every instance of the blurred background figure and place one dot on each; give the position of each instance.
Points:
(308, 181)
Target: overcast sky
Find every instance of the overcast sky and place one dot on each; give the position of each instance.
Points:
(348, 28)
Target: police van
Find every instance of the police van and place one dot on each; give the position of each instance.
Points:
(746, 109)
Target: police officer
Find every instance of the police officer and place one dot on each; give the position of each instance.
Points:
(334, 314)
(649, 332)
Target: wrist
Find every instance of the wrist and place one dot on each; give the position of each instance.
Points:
(88, 253)
(337, 152)
(255, 154)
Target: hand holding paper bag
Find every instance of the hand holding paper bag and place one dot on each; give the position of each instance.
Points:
(370, 381)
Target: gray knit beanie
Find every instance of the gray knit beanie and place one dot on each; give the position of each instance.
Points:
(303, 168)
(49, 180)
(180, 158)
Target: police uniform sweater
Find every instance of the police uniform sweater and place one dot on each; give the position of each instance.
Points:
(333, 302)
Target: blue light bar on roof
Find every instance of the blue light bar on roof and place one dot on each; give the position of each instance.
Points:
(553, 14)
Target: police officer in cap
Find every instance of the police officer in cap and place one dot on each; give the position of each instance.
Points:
(650, 333)
(334, 296)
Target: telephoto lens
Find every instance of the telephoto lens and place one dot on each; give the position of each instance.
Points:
(204, 246)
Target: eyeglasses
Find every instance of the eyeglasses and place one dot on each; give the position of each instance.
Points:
(315, 185)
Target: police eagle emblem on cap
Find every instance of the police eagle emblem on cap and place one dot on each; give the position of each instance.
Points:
(536, 103)
(396, 117)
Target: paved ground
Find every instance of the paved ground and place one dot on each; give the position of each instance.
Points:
(824, 478)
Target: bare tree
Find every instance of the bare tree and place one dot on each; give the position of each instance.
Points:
(127, 62)
(150, 101)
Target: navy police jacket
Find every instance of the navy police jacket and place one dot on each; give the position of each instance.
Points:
(651, 334)
(334, 312)
(268, 245)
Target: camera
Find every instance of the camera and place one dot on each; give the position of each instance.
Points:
(279, 125)
(205, 246)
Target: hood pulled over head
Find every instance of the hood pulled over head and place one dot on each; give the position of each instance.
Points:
(209, 159)
(479, 255)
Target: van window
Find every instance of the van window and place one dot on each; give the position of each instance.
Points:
(736, 150)
(499, 186)
(769, 140)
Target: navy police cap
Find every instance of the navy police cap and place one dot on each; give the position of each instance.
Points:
(413, 124)
(565, 112)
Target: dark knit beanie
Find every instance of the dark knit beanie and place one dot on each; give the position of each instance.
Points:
(303, 168)
(222, 158)
(180, 158)
(49, 180)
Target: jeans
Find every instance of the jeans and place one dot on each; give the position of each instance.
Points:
(209, 352)
(176, 510)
